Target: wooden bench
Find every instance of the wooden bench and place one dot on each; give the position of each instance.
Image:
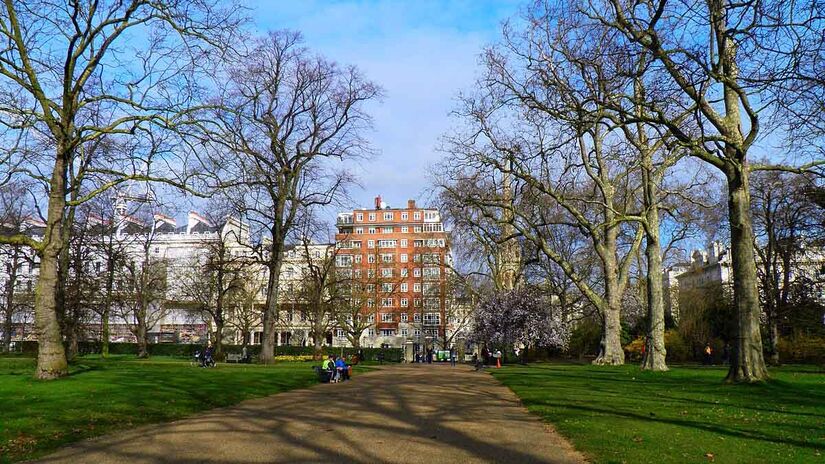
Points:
(234, 357)
(324, 376)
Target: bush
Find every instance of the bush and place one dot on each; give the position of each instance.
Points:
(186, 350)
(678, 349)
(585, 338)
(802, 349)
(635, 349)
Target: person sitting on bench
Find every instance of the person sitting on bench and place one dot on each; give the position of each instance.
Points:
(329, 366)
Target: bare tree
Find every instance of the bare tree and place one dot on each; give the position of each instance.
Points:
(71, 77)
(539, 117)
(14, 213)
(141, 282)
(288, 117)
(714, 85)
(785, 226)
(213, 277)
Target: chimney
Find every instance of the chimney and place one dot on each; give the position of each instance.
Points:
(410, 204)
(378, 202)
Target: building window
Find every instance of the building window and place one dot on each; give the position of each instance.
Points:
(387, 230)
(417, 272)
(417, 215)
(386, 258)
(371, 332)
(417, 317)
(431, 216)
(370, 304)
(386, 272)
(370, 243)
(386, 317)
(359, 217)
(417, 229)
(404, 317)
(372, 217)
(404, 288)
(371, 318)
(405, 216)
(387, 332)
(403, 256)
(387, 243)
(405, 272)
(388, 216)
(418, 302)
(387, 303)
(405, 230)
(370, 273)
(359, 230)
(404, 332)
(371, 230)
(432, 318)
(432, 272)
(370, 259)
(386, 287)
(339, 333)
(358, 259)
(417, 332)
(417, 287)
(404, 243)
(405, 302)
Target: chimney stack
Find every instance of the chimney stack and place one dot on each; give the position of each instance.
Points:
(410, 204)
(378, 202)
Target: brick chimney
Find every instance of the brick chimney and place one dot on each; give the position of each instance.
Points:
(378, 202)
(410, 204)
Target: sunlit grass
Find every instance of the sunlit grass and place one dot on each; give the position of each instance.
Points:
(101, 396)
(622, 414)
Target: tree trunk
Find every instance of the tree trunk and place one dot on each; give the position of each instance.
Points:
(142, 334)
(51, 356)
(747, 360)
(655, 351)
(219, 324)
(270, 322)
(142, 341)
(9, 303)
(773, 339)
(107, 302)
(610, 347)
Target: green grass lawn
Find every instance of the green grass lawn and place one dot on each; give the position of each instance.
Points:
(101, 396)
(621, 414)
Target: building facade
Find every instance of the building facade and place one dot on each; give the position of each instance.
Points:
(399, 261)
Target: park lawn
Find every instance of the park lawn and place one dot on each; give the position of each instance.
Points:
(101, 396)
(688, 415)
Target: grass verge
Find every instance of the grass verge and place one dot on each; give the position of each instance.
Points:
(105, 395)
(687, 415)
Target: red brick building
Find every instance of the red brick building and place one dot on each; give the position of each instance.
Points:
(399, 259)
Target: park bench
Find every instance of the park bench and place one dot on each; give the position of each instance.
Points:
(323, 375)
(234, 357)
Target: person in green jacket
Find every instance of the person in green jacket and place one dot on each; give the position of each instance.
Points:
(329, 366)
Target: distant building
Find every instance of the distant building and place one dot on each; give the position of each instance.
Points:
(400, 258)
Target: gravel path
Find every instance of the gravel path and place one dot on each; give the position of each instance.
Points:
(396, 414)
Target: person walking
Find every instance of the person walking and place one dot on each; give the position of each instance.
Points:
(708, 358)
(452, 357)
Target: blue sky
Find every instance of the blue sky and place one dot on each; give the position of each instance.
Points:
(421, 52)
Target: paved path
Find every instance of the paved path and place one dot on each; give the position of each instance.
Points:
(399, 414)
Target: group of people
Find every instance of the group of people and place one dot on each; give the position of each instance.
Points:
(204, 357)
(337, 368)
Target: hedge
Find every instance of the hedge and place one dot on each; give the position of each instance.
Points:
(186, 350)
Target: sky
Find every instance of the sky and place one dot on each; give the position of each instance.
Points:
(421, 52)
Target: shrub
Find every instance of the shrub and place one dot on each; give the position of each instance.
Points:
(802, 349)
(635, 349)
(678, 349)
